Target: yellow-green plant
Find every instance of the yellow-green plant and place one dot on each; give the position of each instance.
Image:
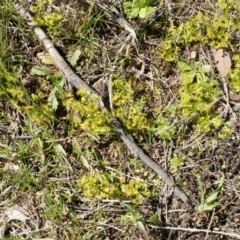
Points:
(12, 90)
(141, 8)
(235, 74)
(56, 79)
(209, 203)
(176, 162)
(130, 108)
(198, 90)
(85, 113)
(107, 186)
(203, 28)
(52, 22)
(135, 217)
(199, 87)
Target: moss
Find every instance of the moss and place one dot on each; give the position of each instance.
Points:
(235, 74)
(176, 162)
(85, 113)
(107, 186)
(198, 85)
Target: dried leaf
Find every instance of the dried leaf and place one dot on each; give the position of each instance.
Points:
(16, 213)
(101, 87)
(233, 96)
(193, 54)
(10, 166)
(223, 61)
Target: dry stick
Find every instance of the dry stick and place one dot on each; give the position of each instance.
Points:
(236, 235)
(78, 83)
(209, 225)
(226, 91)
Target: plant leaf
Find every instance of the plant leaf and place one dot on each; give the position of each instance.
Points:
(139, 4)
(201, 190)
(75, 57)
(208, 207)
(40, 71)
(223, 61)
(209, 203)
(213, 195)
(184, 67)
(206, 68)
(146, 11)
(85, 163)
(52, 99)
(45, 58)
(188, 78)
(134, 13)
(127, 5)
(59, 148)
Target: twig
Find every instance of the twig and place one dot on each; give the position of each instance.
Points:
(137, 151)
(224, 207)
(209, 225)
(78, 83)
(200, 230)
(170, 11)
(226, 97)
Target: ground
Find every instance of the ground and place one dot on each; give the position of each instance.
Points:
(66, 174)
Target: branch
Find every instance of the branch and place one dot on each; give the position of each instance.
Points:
(78, 83)
(196, 230)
